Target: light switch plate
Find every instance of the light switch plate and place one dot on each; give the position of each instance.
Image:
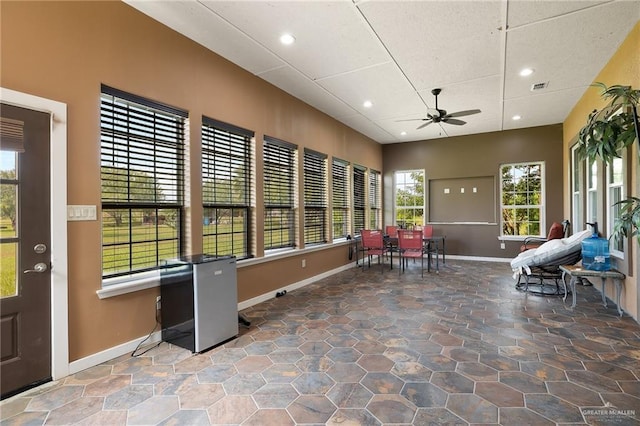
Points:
(81, 212)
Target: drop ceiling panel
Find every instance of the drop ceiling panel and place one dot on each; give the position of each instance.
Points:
(472, 127)
(368, 128)
(394, 98)
(541, 109)
(198, 23)
(436, 43)
(567, 62)
(331, 37)
(302, 88)
(526, 12)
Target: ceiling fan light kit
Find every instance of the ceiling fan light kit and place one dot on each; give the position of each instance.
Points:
(438, 115)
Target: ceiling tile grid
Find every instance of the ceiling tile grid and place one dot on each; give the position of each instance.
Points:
(393, 53)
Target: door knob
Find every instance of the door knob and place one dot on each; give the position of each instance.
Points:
(38, 267)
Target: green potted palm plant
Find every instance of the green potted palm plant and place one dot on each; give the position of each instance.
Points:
(607, 132)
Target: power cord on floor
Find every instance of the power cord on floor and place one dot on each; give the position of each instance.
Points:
(155, 326)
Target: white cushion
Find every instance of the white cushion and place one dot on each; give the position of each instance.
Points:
(551, 245)
(549, 251)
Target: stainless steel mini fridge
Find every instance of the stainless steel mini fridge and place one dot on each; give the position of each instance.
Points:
(199, 301)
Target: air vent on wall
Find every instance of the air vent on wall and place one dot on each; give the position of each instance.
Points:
(539, 86)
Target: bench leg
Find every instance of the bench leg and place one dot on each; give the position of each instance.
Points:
(618, 291)
(604, 296)
(572, 284)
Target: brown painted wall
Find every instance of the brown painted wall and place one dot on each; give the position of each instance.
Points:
(479, 156)
(65, 50)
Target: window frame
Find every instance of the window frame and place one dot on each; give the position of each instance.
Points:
(577, 190)
(375, 199)
(340, 199)
(315, 197)
(359, 198)
(133, 129)
(617, 248)
(400, 185)
(227, 151)
(592, 186)
(540, 206)
(279, 156)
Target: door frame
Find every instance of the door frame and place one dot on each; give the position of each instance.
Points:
(58, 192)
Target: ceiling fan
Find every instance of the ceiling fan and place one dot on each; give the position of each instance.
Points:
(438, 115)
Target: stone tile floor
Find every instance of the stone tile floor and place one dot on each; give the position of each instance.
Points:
(460, 347)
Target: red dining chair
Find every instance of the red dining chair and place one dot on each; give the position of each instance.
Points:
(391, 234)
(374, 245)
(410, 246)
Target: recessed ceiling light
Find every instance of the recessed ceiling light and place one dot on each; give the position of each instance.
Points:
(287, 39)
(403, 133)
(526, 71)
(367, 104)
(516, 117)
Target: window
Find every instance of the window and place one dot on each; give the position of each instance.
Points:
(522, 199)
(280, 173)
(409, 189)
(359, 198)
(615, 193)
(375, 203)
(577, 178)
(142, 172)
(315, 197)
(226, 189)
(340, 195)
(592, 191)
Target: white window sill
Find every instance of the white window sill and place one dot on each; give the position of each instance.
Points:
(515, 237)
(112, 287)
(129, 283)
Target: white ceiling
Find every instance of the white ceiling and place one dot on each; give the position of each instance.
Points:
(394, 53)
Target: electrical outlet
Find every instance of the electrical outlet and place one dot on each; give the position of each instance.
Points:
(502, 245)
(304, 263)
(158, 303)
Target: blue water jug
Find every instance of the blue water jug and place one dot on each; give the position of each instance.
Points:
(595, 251)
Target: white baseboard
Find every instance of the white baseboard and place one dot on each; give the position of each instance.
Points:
(129, 347)
(111, 353)
(480, 259)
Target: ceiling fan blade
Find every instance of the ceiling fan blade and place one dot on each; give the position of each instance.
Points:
(454, 121)
(411, 119)
(424, 125)
(463, 113)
